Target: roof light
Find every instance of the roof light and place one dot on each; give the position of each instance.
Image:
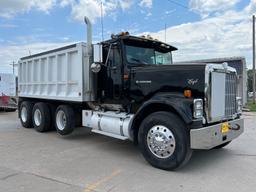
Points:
(123, 33)
(113, 36)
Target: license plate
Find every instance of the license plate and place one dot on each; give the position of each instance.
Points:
(224, 127)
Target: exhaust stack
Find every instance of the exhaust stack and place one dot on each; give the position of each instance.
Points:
(89, 31)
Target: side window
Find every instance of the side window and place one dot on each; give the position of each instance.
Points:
(116, 57)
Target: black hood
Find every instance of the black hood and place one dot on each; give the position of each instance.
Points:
(148, 80)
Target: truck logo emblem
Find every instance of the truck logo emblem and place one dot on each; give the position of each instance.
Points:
(192, 81)
(143, 82)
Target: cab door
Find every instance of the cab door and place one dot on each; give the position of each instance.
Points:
(110, 77)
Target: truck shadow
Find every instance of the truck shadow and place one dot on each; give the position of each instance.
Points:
(201, 159)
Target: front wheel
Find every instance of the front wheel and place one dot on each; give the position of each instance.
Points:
(164, 141)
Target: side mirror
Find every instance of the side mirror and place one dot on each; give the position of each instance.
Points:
(97, 58)
(97, 53)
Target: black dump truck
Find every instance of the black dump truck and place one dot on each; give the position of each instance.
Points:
(128, 88)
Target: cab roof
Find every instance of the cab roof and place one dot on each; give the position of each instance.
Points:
(140, 40)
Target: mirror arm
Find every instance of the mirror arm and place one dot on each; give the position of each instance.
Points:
(108, 54)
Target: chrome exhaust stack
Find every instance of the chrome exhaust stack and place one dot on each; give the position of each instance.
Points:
(89, 31)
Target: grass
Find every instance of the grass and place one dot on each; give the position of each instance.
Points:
(251, 106)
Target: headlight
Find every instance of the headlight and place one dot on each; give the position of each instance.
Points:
(239, 105)
(198, 108)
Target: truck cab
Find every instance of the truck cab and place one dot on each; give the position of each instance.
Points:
(129, 88)
(121, 55)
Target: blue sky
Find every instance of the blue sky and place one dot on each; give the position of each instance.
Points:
(58, 24)
(200, 28)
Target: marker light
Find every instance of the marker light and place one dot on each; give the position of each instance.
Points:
(187, 93)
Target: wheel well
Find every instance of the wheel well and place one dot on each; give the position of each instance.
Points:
(146, 111)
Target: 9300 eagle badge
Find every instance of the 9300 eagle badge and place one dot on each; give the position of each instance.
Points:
(193, 81)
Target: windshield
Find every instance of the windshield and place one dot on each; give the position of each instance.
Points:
(142, 55)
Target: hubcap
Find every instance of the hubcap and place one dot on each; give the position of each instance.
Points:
(37, 117)
(161, 141)
(24, 114)
(61, 120)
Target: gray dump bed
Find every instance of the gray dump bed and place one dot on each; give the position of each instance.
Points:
(59, 74)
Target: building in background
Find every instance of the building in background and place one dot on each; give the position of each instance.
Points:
(239, 63)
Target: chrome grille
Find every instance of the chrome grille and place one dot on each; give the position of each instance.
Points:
(230, 94)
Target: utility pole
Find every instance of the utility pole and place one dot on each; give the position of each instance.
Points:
(165, 32)
(13, 65)
(253, 56)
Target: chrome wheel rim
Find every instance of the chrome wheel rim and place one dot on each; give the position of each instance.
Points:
(24, 114)
(37, 117)
(61, 120)
(161, 141)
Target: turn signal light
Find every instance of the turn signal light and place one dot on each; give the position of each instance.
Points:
(187, 93)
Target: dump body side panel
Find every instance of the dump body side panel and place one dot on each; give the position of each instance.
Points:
(60, 74)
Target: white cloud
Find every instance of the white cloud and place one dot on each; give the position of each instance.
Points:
(146, 3)
(225, 35)
(92, 8)
(11, 53)
(125, 4)
(8, 26)
(251, 8)
(79, 8)
(207, 7)
(12, 7)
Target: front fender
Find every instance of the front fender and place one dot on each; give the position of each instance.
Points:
(175, 102)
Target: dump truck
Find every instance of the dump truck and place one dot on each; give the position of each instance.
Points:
(128, 88)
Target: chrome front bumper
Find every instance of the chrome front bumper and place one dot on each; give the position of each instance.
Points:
(210, 137)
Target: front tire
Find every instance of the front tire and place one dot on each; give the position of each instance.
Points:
(41, 117)
(64, 120)
(164, 141)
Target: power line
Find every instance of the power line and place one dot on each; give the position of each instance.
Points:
(179, 4)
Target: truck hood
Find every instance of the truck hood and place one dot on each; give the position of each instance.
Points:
(147, 80)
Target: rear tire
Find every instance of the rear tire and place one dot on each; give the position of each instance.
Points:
(64, 120)
(164, 141)
(41, 117)
(25, 111)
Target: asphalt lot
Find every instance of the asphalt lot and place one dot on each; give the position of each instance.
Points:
(87, 162)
